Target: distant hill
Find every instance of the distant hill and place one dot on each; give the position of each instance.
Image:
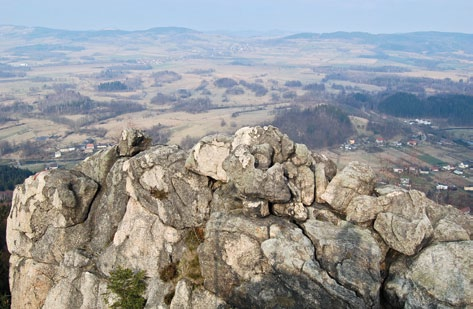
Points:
(419, 42)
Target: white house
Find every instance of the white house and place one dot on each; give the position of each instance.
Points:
(398, 170)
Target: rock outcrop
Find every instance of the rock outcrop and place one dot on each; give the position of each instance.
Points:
(252, 220)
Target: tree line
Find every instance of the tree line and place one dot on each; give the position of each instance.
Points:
(457, 109)
(11, 176)
(317, 127)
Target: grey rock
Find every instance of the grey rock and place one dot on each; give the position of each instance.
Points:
(256, 208)
(188, 296)
(141, 241)
(293, 210)
(132, 142)
(321, 182)
(364, 208)
(386, 189)
(404, 226)
(302, 179)
(291, 255)
(326, 215)
(108, 208)
(263, 154)
(275, 188)
(98, 165)
(225, 198)
(302, 156)
(446, 230)
(355, 179)
(47, 203)
(440, 276)
(350, 255)
(64, 294)
(255, 183)
(330, 168)
(30, 282)
(442, 216)
(207, 156)
(158, 180)
(183, 296)
(282, 146)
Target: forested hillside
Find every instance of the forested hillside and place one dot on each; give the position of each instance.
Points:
(458, 109)
(11, 176)
(321, 126)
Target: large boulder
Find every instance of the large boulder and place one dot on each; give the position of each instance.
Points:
(449, 223)
(132, 141)
(282, 146)
(404, 225)
(268, 263)
(30, 282)
(158, 180)
(47, 208)
(253, 182)
(355, 179)
(207, 156)
(350, 255)
(141, 241)
(440, 276)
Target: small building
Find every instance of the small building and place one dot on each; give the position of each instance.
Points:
(51, 166)
(57, 154)
(468, 188)
(462, 165)
(441, 187)
(447, 167)
(458, 172)
(412, 143)
(379, 141)
(424, 171)
(423, 122)
(398, 170)
(89, 148)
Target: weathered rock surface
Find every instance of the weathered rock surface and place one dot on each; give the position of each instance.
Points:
(350, 255)
(404, 225)
(355, 179)
(252, 220)
(131, 142)
(207, 156)
(440, 276)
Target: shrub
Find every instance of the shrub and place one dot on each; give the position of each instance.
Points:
(293, 83)
(225, 82)
(129, 286)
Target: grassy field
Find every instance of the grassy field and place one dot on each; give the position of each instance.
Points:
(431, 160)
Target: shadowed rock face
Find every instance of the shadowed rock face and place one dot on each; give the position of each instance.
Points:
(252, 220)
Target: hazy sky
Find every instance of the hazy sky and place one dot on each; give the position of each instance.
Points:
(375, 16)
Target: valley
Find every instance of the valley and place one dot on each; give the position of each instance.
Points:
(67, 94)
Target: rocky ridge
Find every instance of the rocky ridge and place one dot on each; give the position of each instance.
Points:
(252, 220)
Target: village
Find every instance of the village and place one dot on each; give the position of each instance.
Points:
(410, 162)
